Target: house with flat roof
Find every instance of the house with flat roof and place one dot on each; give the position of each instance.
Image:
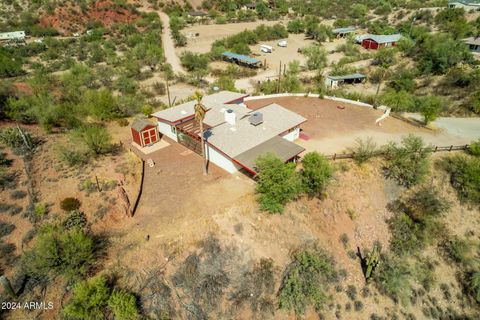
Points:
(335, 81)
(467, 5)
(16, 37)
(241, 59)
(473, 43)
(343, 32)
(234, 135)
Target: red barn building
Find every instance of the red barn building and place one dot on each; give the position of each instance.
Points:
(375, 42)
(144, 133)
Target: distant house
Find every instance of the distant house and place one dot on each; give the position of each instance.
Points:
(473, 43)
(197, 14)
(16, 37)
(467, 5)
(343, 32)
(335, 81)
(250, 6)
(373, 41)
(241, 59)
(234, 135)
(144, 132)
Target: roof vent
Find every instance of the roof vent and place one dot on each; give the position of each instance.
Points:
(256, 118)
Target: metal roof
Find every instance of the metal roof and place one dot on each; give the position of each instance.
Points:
(240, 57)
(344, 30)
(350, 76)
(466, 2)
(387, 38)
(280, 147)
(16, 35)
(473, 40)
(214, 102)
(140, 124)
(236, 139)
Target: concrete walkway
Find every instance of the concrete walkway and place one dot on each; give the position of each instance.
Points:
(466, 128)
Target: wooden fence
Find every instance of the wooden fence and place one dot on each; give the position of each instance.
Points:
(336, 156)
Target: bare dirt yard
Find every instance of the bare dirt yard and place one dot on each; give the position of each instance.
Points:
(332, 129)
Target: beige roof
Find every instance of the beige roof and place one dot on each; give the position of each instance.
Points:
(236, 139)
(473, 40)
(281, 148)
(214, 102)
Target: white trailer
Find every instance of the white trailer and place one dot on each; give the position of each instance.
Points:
(266, 48)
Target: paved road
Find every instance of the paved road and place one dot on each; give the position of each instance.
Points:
(467, 128)
(168, 45)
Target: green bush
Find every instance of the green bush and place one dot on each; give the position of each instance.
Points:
(464, 176)
(89, 299)
(458, 250)
(58, 251)
(363, 150)
(474, 285)
(277, 183)
(6, 228)
(306, 281)
(73, 155)
(123, 305)
(75, 219)
(95, 137)
(315, 174)
(70, 204)
(18, 194)
(392, 278)
(475, 148)
(407, 163)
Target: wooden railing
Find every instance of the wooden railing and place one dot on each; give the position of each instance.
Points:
(337, 156)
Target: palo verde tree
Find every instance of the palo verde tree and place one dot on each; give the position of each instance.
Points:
(315, 173)
(277, 184)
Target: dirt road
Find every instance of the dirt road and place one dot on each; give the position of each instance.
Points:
(168, 45)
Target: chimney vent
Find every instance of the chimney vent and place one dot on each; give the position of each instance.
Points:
(230, 117)
(256, 118)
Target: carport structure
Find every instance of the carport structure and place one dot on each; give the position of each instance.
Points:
(278, 146)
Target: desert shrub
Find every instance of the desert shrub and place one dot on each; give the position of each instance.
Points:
(89, 299)
(194, 61)
(122, 122)
(392, 278)
(74, 219)
(6, 250)
(277, 183)
(474, 285)
(256, 289)
(464, 176)
(306, 281)
(423, 204)
(58, 251)
(406, 235)
(351, 292)
(95, 137)
(73, 156)
(6, 228)
(363, 150)
(458, 250)
(39, 211)
(416, 220)
(7, 179)
(123, 305)
(18, 194)
(70, 204)
(475, 148)
(423, 272)
(358, 305)
(407, 163)
(315, 174)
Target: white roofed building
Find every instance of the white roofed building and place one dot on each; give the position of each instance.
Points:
(234, 135)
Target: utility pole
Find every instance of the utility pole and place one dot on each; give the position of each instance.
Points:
(168, 93)
(279, 77)
(411, 26)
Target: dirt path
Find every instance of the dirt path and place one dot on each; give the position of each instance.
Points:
(168, 45)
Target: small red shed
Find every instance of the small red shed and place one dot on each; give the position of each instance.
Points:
(144, 133)
(380, 41)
